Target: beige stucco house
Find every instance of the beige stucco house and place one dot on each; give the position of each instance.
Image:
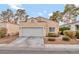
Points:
(38, 27)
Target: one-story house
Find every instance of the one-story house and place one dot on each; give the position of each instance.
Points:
(38, 27)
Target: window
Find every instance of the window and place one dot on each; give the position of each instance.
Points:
(77, 27)
(52, 29)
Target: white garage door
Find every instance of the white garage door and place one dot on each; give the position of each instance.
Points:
(32, 31)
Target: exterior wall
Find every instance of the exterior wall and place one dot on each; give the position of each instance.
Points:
(12, 28)
(53, 24)
(73, 26)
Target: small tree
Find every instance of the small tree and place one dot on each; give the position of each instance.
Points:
(7, 14)
(57, 16)
(62, 29)
(21, 15)
(70, 13)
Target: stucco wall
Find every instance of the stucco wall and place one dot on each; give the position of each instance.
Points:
(73, 26)
(12, 28)
(53, 24)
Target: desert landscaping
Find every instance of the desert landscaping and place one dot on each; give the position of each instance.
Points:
(19, 26)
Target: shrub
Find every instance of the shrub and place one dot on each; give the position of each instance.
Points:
(65, 38)
(17, 33)
(51, 39)
(62, 29)
(3, 32)
(77, 34)
(53, 35)
(69, 33)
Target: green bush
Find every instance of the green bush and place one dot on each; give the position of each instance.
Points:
(62, 29)
(69, 33)
(65, 38)
(51, 39)
(53, 35)
(77, 34)
(3, 32)
(2, 29)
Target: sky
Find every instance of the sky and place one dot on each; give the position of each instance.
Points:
(34, 10)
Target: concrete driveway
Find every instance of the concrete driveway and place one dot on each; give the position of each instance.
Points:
(27, 42)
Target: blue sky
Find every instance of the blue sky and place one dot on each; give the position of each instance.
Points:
(35, 10)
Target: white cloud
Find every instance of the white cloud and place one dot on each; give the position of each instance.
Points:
(40, 13)
(16, 6)
(50, 14)
(44, 11)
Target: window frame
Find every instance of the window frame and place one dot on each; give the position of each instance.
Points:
(51, 29)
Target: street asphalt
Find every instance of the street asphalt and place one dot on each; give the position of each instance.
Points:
(56, 49)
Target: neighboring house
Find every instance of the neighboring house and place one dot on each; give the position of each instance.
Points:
(38, 26)
(73, 26)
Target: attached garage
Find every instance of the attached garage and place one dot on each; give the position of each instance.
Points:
(32, 31)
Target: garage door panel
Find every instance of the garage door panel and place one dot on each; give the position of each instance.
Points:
(35, 31)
